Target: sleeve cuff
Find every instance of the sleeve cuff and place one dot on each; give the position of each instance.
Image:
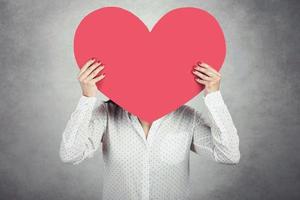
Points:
(214, 99)
(86, 101)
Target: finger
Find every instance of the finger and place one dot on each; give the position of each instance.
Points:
(87, 72)
(95, 72)
(202, 76)
(208, 67)
(98, 78)
(201, 81)
(206, 71)
(86, 65)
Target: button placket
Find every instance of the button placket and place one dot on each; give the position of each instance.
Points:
(146, 177)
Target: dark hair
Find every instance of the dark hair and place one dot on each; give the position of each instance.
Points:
(113, 107)
(110, 101)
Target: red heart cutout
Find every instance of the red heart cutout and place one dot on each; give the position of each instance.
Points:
(149, 73)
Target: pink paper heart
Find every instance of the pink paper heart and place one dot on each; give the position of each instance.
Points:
(149, 73)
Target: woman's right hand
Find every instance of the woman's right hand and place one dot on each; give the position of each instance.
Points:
(87, 77)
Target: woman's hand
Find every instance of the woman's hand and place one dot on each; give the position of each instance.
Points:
(207, 76)
(87, 77)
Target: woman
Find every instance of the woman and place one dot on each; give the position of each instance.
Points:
(142, 160)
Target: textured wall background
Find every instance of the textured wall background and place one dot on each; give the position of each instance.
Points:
(260, 85)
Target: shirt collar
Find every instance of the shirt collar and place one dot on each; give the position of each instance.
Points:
(134, 121)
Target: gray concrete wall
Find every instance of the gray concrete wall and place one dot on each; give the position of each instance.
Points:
(39, 90)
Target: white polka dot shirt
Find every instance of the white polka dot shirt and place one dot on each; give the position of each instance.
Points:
(155, 167)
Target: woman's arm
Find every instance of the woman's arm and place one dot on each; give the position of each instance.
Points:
(84, 130)
(217, 137)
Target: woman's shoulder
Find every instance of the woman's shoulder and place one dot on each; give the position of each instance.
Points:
(184, 112)
(185, 109)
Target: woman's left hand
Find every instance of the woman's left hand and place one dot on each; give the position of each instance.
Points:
(207, 76)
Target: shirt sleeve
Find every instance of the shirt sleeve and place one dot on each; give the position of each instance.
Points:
(217, 136)
(84, 130)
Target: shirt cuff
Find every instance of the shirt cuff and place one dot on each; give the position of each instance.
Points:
(86, 101)
(214, 99)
